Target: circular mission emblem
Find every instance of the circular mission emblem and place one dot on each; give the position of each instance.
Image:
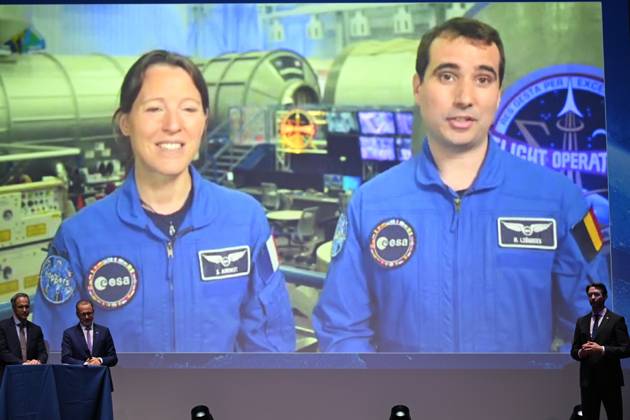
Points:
(555, 117)
(56, 281)
(112, 282)
(297, 130)
(392, 243)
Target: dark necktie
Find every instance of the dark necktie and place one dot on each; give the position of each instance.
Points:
(23, 340)
(89, 338)
(595, 322)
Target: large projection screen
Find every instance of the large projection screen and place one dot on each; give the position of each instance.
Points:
(558, 57)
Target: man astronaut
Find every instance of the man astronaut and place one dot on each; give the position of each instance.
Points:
(464, 247)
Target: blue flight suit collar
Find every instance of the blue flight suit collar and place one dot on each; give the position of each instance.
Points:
(202, 210)
(490, 174)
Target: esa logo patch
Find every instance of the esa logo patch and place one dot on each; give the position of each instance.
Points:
(224, 263)
(527, 232)
(56, 280)
(392, 243)
(112, 282)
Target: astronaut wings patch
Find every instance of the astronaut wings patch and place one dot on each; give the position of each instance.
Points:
(527, 232)
(223, 263)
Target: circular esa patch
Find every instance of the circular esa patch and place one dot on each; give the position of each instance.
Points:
(341, 233)
(56, 280)
(112, 282)
(392, 242)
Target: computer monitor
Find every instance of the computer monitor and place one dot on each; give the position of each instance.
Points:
(350, 182)
(377, 122)
(404, 123)
(342, 122)
(333, 182)
(377, 148)
(338, 182)
(403, 148)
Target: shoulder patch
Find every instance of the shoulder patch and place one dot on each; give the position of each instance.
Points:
(527, 232)
(273, 253)
(266, 262)
(112, 282)
(392, 243)
(223, 263)
(341, 233)
(588, 235)
(56, 279)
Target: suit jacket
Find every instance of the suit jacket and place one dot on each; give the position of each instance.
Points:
(612, 333)
(10, 351)
(74, 349)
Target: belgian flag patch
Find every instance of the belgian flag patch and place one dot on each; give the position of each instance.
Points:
(588, 235)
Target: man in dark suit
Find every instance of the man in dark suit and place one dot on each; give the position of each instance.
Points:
(599, 341)
(88, 343)
(21, 341)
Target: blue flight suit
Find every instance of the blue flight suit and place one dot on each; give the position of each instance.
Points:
(215, 287)
(495, 270)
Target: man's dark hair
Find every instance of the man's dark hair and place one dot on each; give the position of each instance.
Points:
(17, 296)
(83, 302)
(465, 27)
(600, 286)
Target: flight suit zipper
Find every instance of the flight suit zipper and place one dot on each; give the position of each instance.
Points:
(458, 204)
(457, 207)
(170, 253)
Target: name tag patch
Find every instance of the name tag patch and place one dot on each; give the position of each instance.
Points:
(216, 264)
(527, 232)
(392, 243)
